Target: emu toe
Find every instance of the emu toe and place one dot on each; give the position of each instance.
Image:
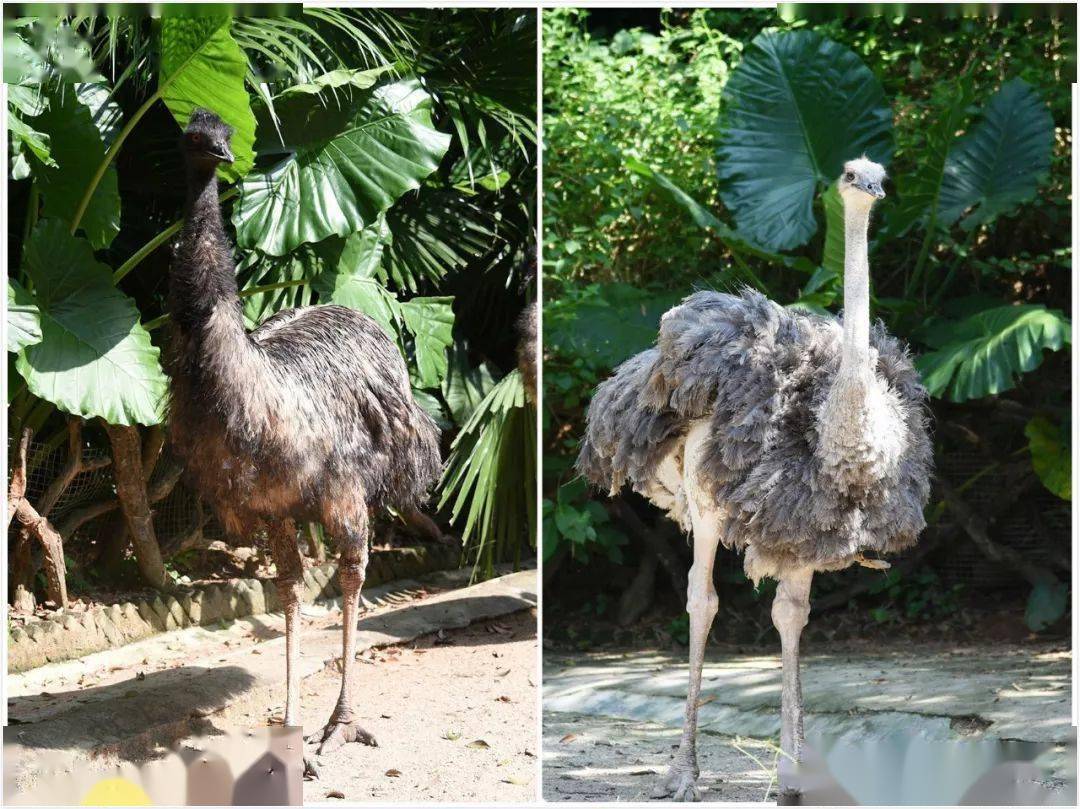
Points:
(338, 733)
(311, 771)
(679, 785)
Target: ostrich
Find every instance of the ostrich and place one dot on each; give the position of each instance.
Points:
(308, 418)
(800, 440)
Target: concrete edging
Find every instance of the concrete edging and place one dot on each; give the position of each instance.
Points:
(67, 635)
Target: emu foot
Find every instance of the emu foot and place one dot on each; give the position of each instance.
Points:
(311, 771)
(678, 784)
(339, 732)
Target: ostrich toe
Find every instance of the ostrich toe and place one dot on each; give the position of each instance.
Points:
(338, 733)
(311, 771)
(679, 785)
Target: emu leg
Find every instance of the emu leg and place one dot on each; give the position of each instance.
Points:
(289, 584)
(342, 727)
(790, 611)
(701, 603)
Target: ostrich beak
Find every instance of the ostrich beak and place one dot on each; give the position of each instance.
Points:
(873, 189)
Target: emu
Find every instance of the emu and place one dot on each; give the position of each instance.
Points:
(800, 440)
(309, 417)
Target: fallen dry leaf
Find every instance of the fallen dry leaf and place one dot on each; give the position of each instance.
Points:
(479, 744)
(503, 698)
(393, 773)
(706, 700)
(569, 737)
(335, 793)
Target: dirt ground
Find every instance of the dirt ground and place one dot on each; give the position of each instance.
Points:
(599, 758)
(454, 715)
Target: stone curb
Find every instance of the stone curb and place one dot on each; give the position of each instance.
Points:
(66, 635)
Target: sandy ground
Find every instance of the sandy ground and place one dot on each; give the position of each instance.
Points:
(455, 718)
(597, 758)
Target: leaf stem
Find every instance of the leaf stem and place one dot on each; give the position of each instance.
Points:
(246, 293)
(110, 155)
(157, 241)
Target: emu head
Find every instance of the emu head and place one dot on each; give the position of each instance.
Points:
(206, 140)
(860, 183)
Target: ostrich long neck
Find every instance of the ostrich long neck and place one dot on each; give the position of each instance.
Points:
(856, 351)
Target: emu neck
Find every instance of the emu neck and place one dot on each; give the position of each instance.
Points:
(856, 351)
(203, 276)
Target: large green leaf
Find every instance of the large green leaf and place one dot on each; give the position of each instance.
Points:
(1001, 162)
(431, 321)
(920, 191)
(350, 158)
(832, 259)
(94, 358)
(433, 233)
(77, 149)
(23, 318)
(202, 66)
(704, 218)
(1051, 454)
(799, 106)
(984, 353)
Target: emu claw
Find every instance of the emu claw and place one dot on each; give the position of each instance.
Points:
(337, 734)
(311, 771)
(678, 785)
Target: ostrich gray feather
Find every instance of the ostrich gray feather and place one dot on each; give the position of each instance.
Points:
(760, 374)
(309, 417)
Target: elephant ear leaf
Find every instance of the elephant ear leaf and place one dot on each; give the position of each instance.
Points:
(984, 353)
(94, 358)
(800, 105)
(349, 159)
(202, 66)
(920, 191)
(1051, 454)
(23, 318)
(1001, 161)
(76, 151)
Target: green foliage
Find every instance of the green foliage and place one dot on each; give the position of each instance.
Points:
(202, 66)
(798, 106)
(1050, 448)
(969, 252)
(350, 185)
(579, 524)
(94, 357)
(490, 477)
(984, 353)
(363, 153)
(1046, 604)
(917, 596)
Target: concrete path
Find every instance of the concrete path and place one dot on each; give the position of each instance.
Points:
(1017, 693)
(133, 701)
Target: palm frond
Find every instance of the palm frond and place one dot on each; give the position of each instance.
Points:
(490, 477)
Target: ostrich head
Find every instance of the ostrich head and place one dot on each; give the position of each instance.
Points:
(206, 140)
(861, 182)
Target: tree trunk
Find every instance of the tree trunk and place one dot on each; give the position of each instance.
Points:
(131, 492)
(19, 508)
(638, 597)
(656, 539)
(316, 547)
(114, 536)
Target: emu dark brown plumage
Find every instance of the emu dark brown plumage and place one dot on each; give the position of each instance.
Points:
(310, 417)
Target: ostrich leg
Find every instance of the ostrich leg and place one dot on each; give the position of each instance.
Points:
(790, 611)
(701, 604)
(342, 728)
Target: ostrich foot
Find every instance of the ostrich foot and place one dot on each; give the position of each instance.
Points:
(339, 732)
(678, 784)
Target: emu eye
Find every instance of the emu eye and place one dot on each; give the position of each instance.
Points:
(196, 137)
(850, 176)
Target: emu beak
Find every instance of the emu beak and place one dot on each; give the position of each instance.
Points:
(224, 154)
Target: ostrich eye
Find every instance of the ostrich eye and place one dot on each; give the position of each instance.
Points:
(850, 177)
